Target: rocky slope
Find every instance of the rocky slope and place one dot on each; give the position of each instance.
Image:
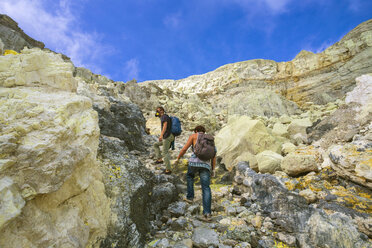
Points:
(294, 152)
(263, 87)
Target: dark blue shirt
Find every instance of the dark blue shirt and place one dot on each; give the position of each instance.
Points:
(167, 119)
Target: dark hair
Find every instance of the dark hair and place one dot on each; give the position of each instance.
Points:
(161, 108)
(199, 129)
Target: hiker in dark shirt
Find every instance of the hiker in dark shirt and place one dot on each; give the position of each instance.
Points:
(165, 139)
(205, 170)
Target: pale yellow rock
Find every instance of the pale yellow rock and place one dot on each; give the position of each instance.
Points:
(280, 130)
(257, 221)
(268, 161)
(243, 135)
(153, 125)
(288, 148)
(34, 67)
(11, 201)
(285, 119)
(352, 164)
(299, 126)
(295, 164)
(309, 195)
(49, 139)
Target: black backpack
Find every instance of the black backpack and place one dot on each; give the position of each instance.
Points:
(204, 148)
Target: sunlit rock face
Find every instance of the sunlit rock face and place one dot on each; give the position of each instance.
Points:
(309, 77)
(48, 145)
(261, 87)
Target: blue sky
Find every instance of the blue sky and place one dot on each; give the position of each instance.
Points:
(173, 39)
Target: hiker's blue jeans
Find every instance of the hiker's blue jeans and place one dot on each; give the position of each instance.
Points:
(205, 179)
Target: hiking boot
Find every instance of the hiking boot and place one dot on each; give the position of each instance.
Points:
(206, 218)
(159, 161)
(188, 200)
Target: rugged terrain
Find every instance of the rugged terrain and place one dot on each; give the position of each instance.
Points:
(294, 143)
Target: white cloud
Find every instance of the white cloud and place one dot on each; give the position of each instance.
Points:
(55, 24)
(131, 69)
(172, 20)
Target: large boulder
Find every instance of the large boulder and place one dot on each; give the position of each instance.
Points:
(353, 161)
(242, 135)
(295, 163)
(49, 140)
(268, 161)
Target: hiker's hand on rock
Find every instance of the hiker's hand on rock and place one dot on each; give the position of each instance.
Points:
(176, 162)
(161, 138)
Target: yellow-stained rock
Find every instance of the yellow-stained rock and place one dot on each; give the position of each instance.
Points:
(241, 135)
(48, 146)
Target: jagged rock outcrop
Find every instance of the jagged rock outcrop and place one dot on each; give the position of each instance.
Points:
(49, 140)
(13, 37)
(118, 116)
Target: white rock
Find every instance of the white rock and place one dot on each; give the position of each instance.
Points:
(11, 201)
(268, 161)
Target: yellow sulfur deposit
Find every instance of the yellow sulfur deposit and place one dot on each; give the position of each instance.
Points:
(7, 52)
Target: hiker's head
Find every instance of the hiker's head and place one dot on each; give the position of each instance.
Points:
(199, 129)
(159, 111)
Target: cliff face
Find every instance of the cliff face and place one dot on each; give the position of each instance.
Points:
(49, 140)
(309, 77)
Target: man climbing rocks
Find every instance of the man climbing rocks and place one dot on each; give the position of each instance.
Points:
(203, 160)
(165, 139)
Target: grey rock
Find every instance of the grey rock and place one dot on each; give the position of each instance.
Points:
(266, 242)
(205, 237)
(335, 230)
(231, 210)
(240, 209)
(241, 234)
(177, 209)
(238, 179)
(13, 37)
(129, 191)
(162, 195)
(194, 209)
(163, 243)
(124, 121)
(288, 239)
(179, 224)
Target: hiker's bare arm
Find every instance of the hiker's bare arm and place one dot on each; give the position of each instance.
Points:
(184, 149)
(163, 131)
(214, 163)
